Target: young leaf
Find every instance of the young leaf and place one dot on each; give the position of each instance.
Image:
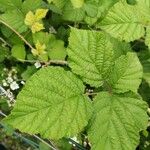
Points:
(43, 38)
(52, 103)
(77, 3)
(90, 55)
(123, 22)
(126, 74)
(117, 121)
(34, 21)
(18, 51)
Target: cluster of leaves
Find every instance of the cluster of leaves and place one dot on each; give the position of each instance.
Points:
(98, 81)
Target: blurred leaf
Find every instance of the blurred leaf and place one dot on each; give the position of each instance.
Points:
(4, 52)
(28, 72)
(14, 19)
(31, 5)
(43, 146)
(58, 51)
(18, 51)
(10, 4)
(8, 129)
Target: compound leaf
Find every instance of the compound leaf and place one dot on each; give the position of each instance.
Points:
(117, 121)
(52, 103)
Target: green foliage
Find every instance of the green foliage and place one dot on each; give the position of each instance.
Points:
(115, 123)
(123, 22)
(126, 74)
(92, 58)
(9, 4)
(86, 74)
(52, 99)
(18, 51)
(4, 52)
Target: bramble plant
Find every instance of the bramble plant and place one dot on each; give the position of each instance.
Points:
(92, 71)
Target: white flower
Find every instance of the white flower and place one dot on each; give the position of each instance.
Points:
(22, 82)
(37, 64)
(5, 69)
(14, 86)
(4, 83)
(9, 79)
(15, 77)
(9, 74)
(84, 144)
(52, 30)
(14, 70)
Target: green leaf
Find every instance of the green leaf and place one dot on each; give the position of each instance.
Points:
(19, 52)
(15, 20)
(44, 38)
(143, 11)
(90, 55)
(59, 3)
(91, 8)
(144, 91)
(73, 14)
(31, 5)
(120, 48)
(117, 121)
(123, 22)
(43, 146)
(10, 4)
(146, 68)
(28, 72)
(54, 97)
(77, 3)
(58, 51)
(147, 38)
(126, 74)
(144, 57)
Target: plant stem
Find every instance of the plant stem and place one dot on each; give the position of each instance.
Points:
(57, 62)
(22, 38)
(6, 43)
